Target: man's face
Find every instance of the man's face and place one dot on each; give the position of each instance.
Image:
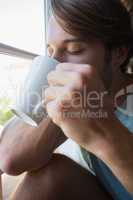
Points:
(67, 48)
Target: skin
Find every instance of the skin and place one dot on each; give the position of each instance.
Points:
(97, 136)
(82, 64)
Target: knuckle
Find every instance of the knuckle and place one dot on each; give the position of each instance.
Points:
(87, 66)
(62, 66)
(85, 71)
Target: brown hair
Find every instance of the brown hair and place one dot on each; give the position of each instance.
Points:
(107, 20)
(128, 4)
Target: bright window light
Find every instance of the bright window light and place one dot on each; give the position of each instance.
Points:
(22, 24)
(13, 72)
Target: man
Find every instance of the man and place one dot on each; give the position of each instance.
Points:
(92, 40)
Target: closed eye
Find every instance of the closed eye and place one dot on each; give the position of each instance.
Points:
(75, 52)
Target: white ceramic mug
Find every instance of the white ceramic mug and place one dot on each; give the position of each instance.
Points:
(29, 105)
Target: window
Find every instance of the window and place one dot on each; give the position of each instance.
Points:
(12, 75)
(22, 24)
(22, 37)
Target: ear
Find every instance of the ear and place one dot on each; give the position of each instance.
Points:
(119, 56)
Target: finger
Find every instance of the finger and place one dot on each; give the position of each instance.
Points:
(63, 94)
(82, 68)
(54, 111)
(62, 77)
(52, 93)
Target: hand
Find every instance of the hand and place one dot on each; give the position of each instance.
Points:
(73, 100)
(1, 172)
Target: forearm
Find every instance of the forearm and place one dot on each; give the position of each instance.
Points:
(117, 152)
(25, 148)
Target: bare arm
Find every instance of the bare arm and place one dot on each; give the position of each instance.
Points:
(25, 148)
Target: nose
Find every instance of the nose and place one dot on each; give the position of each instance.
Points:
(59, 56)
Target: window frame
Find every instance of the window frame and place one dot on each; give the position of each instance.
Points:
(12, 51)
(20, 53)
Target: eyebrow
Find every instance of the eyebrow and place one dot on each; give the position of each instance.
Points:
(70, 41)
